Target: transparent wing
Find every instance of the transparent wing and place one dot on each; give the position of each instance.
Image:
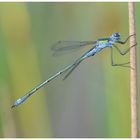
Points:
(63, 46)
(71, 70)
(75, 64)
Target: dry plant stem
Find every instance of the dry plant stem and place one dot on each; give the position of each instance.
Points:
(133, 72)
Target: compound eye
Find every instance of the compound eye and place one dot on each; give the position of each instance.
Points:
(116, 35)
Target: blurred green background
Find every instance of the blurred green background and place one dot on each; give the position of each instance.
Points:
(94, 101)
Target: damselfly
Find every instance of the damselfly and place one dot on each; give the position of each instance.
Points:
(97, 46)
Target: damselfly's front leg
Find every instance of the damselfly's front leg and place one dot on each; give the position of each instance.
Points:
(124, 52)
(112, 61)
(123, 42)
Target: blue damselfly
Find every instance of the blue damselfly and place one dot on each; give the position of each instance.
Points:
(97, 46)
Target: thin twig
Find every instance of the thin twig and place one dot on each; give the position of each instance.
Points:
(133, 73)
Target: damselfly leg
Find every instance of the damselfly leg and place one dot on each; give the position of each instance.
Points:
(114, 64)
(123, 42)
(122, 53)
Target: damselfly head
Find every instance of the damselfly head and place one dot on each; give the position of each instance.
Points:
(116, 36)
